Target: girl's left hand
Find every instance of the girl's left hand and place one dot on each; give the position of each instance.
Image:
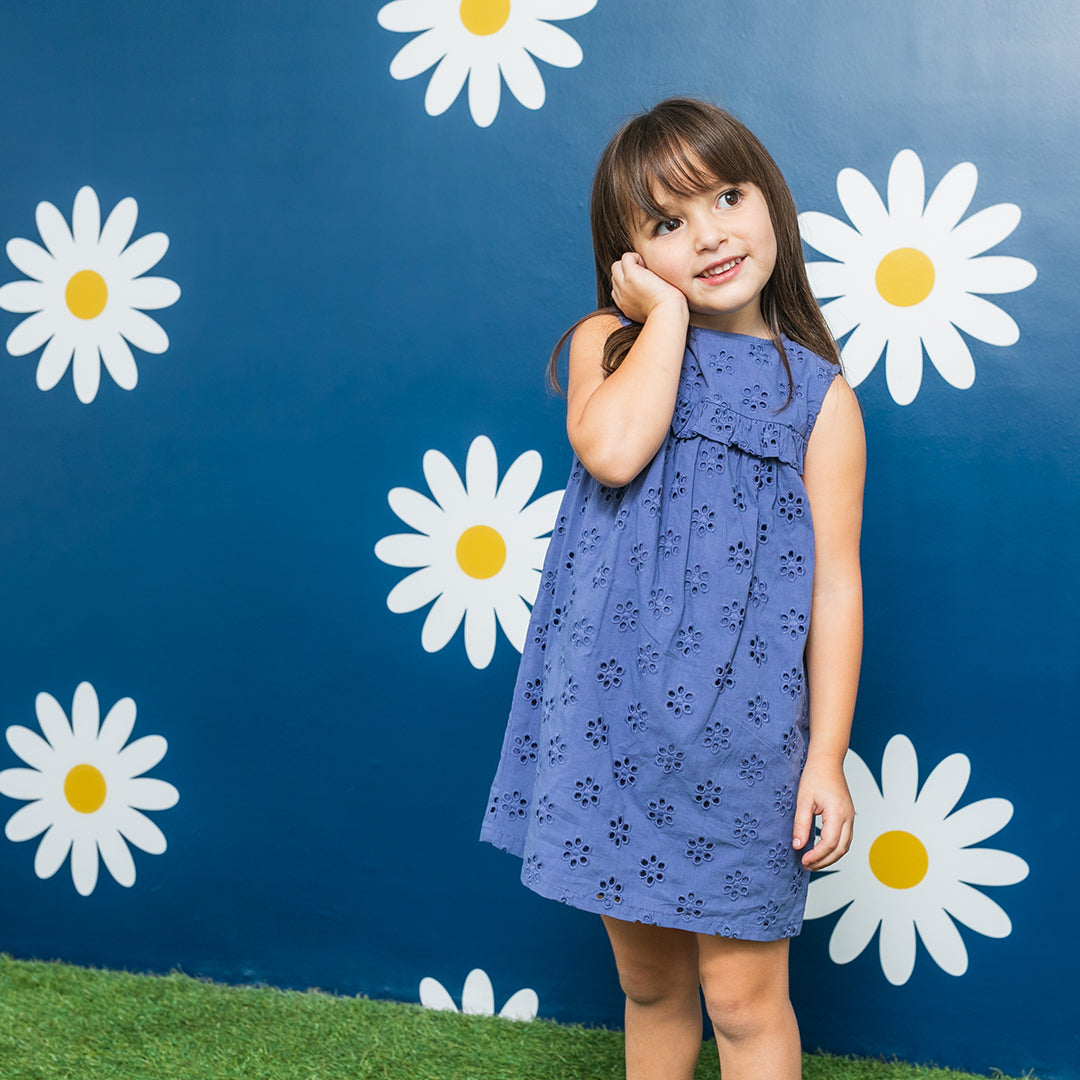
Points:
(823, 790)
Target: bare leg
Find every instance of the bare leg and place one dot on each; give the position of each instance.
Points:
(658, 971)
(746, 994)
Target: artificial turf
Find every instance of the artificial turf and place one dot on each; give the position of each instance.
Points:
(59, 1022)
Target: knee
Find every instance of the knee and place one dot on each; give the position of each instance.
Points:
(644, 985)
(736, 1015)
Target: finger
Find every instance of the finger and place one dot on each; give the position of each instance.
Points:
(839, 850)
(804, 823)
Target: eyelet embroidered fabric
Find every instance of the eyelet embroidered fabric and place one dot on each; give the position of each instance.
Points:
(659, 721)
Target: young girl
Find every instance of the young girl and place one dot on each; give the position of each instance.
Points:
(687, 686)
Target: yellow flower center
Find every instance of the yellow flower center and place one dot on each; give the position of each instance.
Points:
(481, 551)
(86, 294)
(899, 860)
(84, 789)
(484, 17)
(905, 277)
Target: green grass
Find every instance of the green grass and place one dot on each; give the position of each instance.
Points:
(59, 1022)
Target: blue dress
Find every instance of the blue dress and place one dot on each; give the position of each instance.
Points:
(659, 722)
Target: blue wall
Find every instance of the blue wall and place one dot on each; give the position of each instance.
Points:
(361, 283)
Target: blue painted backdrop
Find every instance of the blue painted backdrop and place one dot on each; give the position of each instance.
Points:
(361, 282)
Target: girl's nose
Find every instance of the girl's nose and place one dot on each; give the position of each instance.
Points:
(709, 235)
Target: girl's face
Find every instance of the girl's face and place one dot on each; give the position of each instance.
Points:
(718, 248)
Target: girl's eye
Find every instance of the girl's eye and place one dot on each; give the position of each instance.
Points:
(730, 198)
(665, 227)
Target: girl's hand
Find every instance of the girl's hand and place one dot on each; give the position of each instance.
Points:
(823, 790)
(637, 291)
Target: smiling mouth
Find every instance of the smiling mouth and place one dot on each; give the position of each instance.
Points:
(718, 270)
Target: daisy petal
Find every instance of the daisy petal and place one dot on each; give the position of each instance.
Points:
(443, 480)
(117, 726)
(54, 362)
(553, 46)
(30, 259)
(86, 372)
(30, 746)
(119, 362)
(485, 88)
(409, 16)
(844, 315)
(562, 9)
(52, 720)
(538, 518)
(143, 332)
(949, 353)
(53, 228)
(481, 470)
(984, 230)
(139, 830)
(829, 279)
(150, 794)
(441, 623)
(975, 822)
(405, 549)
(942, 940)
(415, 591)
(480, 636)
(944, 786)
(522, 1005)
(31, 334)
(85, 711)
(903, 368)
(117, 858)
(519, 482)
(51, 852)
(907, 187)
(951, 198)
(977, 910)
(513, 616)
(418, 55)
(861, 782)
(861, 352)
(141, 755)
(897, 948)
(28, 821)
(899, 771)
(22, 297)
(477, 996)
(22, 783)
(119, 226)
(433, 995)
(989, 274)
(152, 293)
(854, 930)
(827, 894)
(84, 864)
(860, 201)
(981, 866)
(144, 254)
(446, 83)
(829, 235)
(86, 219)
(984, 320)
(416, 510)
(523, 79)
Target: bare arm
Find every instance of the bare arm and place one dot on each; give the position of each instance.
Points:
(834, 472)
(616, 424)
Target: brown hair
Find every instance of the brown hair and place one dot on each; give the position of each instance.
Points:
(684, 146)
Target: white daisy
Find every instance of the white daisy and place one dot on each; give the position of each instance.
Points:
(911, 867)
(478, 998)
(906, 277)
(480, 550)
(87, 294)
(482, 40)
(85, 789)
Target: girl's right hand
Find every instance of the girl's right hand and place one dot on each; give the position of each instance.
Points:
(637, 291)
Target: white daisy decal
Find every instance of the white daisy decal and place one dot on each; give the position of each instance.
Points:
(911, 866)
(85, 789)
(480, 549)
(87, 296)
(478, 998)
(484, 41)
(908, 277)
